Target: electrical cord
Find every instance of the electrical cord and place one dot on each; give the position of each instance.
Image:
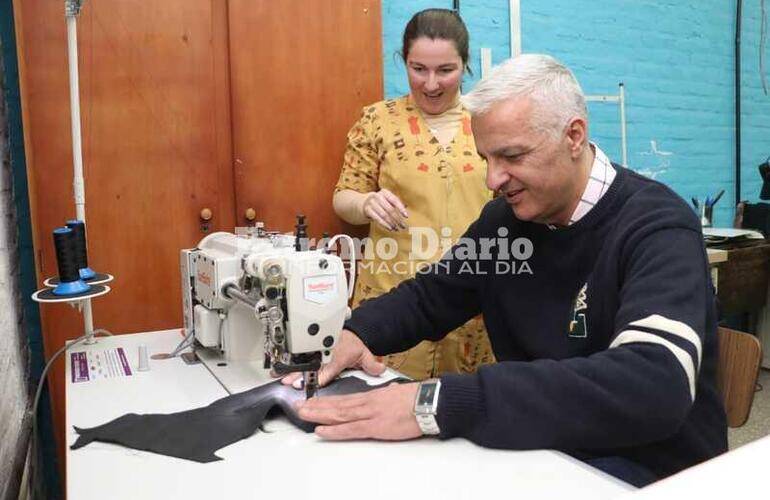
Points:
(184, 344)
(352, 259)
(34, 458)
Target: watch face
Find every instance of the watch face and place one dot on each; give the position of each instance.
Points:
(427, 393)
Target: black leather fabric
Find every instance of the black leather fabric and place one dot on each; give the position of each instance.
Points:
(197, 434)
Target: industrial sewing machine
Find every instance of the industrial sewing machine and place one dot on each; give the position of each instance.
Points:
(262, 301)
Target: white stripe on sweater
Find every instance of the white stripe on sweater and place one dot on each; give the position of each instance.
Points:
(683, 330)
(684, 358)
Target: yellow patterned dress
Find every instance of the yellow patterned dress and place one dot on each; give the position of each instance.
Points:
(443, 188)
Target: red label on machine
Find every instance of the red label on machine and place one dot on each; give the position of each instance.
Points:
(204, 278)
(320, 289)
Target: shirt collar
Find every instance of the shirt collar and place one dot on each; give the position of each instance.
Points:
(599, 180)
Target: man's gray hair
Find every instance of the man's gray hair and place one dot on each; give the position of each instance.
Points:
(554, 89)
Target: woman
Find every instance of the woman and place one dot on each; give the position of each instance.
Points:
(411, 171)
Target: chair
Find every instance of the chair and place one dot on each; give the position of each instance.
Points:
(753, 216)
(739, 358)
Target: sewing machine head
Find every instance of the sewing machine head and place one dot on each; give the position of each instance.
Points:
(263, 301)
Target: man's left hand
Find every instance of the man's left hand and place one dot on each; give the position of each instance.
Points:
(385, 413)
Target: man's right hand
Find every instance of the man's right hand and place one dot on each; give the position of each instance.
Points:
(350, 352)
(386, 209)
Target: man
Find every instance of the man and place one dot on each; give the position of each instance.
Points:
(606, 340)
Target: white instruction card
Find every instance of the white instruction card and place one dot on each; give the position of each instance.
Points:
(93, 365)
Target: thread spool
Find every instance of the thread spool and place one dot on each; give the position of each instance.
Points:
(144, 360)
(78, 228)
(66, 261)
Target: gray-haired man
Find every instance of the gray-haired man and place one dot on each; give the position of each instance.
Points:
(607, 349)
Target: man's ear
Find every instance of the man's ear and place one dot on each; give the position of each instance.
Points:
(577, 135)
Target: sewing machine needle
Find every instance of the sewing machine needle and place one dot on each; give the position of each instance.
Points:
(311, 384)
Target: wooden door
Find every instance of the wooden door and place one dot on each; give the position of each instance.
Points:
(301, 71)
(156, 146)
(156, 94)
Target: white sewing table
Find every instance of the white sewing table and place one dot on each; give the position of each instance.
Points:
(288, 463)
(739, 473)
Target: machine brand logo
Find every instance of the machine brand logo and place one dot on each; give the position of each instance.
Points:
(320, 289)
(204, 278)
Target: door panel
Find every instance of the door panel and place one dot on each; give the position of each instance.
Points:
(159, 141)
(155, 99)
(301, 70)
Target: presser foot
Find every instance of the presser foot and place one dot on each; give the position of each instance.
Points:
(311, 384)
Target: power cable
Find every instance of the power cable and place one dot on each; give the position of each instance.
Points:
(34, 458)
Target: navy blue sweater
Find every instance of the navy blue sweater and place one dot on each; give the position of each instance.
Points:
(605, 335)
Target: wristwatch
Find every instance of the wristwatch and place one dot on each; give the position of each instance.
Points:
(425, 405)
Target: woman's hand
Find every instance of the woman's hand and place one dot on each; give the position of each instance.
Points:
(385, 209)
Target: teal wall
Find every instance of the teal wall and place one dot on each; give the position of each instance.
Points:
(676, 59)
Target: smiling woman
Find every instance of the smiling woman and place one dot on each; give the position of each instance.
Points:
(435, 70)
(411, 165)
(435, 48)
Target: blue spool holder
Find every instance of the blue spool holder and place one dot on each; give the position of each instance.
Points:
(86, 273)
(71, 288)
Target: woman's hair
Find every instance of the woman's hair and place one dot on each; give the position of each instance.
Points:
(444, 24)
(550, 84)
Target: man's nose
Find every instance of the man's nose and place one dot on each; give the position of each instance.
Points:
(496, 177)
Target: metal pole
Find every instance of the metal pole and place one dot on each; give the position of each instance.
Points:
(486, 61)
(620, 98)
(514, 12)
(738, 16)
(72, 9)
(232, 291)
(77, 147)
(623, 136)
